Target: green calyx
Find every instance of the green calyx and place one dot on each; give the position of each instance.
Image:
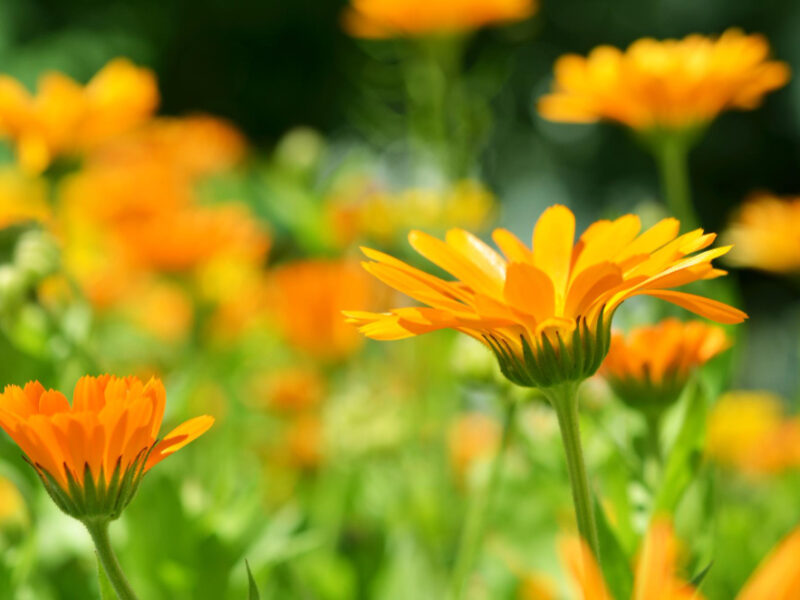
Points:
(649, 397)
(96, 500)
(545, 363)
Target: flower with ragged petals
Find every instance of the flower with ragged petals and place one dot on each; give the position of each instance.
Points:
(765, 234)
(649, 367)
(91, 455)
(413, 18)
(545, 311)
(64, 118)
(656, 578)
(669, 84)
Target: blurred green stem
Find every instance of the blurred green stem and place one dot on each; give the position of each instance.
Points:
(654, 437)
(564, 399)
(672, 154)
(475, 526)
(98, 529)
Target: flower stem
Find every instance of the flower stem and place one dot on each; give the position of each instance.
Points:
(475, 526)
(98, 529)
(672, 155)
(564, 399)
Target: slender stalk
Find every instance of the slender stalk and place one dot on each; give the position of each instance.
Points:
(475, 526)
(654, 437)
(672, 154)
(564, 399)
(98, 529)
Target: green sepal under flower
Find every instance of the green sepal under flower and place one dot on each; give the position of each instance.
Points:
(90, 499)
(648, 397)
(544, 364)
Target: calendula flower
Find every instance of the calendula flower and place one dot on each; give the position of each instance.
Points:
(656, 575)
(473, 437)
(669, 84)
(291, 391)
(412, 18)
(649, 367)
(748, 430)
(304, 441)
(65, 118)
(307, 299)
(764, 232)
(193, 146)
(545, 312)
(22, 199)
(92, 454)
(776, 578)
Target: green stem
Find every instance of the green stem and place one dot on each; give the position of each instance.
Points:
(654, 437)
(564, 399)
(672, 155)
(475, 526)
(98, 529)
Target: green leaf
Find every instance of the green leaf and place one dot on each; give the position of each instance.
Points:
(615, 565)
(697, 580)
(686, 454)
(253, 595)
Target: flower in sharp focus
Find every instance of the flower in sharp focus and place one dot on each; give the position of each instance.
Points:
(669, 84)
(656, 571)
(64, 118)
(649, 367)
(413, 18)
(545, 312)
(92, 455)
(747, 430)
(764, 232)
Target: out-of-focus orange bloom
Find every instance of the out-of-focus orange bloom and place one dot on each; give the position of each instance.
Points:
(22, 198)
(472, 437)
(653, 363)
(108, 434)
(656, 572)
(411, 18)
(747, 430)
(308, 298)
(535, 307)
(64, 117)
(669, 84)
(160, 308)
(536, 587)
(292, 390)
(777, 577)
(304, 441)
(184, 239)
(194, 145)
(360, 210)
(765, 234)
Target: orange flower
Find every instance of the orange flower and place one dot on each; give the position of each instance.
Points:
(294, 390)
(655, 577)
(650, 366)
(545, 312)
(22, 199)
(411, 18)
(195, 145)
(92, 455)
(670, 84)
(308, 297)
(765, 233)
(777, 577)
(472, 437)
(747, 430)
(65, 118)
(304, 441)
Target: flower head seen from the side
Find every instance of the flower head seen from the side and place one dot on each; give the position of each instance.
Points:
(765, 234)
(413, 18)
(669, 84)
(64, 118)
(545, 311)
(649, 367)
(91, 455)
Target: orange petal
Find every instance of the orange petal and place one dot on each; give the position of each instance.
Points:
(530, 291)
(553, 238)
(177, 438)
(584, 569)
(705, 307)
(778, 575)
